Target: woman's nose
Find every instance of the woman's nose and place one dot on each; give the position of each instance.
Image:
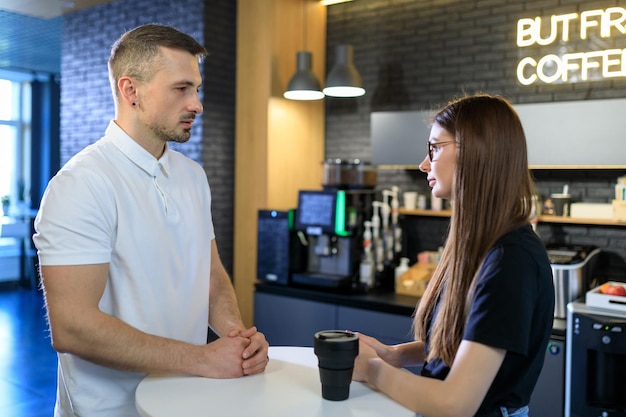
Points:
(424, 166)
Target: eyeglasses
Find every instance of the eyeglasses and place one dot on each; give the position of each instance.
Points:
(434, 147)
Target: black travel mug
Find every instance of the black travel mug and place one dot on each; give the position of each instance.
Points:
(336, 350)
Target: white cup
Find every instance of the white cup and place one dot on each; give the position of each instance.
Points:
(410, 199)
(435, 203)
(421, 202)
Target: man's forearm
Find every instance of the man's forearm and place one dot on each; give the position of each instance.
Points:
(224, 314)
(110, 342)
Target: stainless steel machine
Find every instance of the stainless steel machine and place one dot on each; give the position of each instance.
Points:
(572, 269)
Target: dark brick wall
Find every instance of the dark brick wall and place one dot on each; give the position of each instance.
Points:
(417, 55)
(218, 144)
(86, 98)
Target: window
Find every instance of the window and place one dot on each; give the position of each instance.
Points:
(15, 137)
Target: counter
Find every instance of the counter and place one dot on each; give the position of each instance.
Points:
(384, 302)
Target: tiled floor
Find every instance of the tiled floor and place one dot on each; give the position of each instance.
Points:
(27, 361)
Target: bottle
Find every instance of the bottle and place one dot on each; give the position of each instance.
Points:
(375, 219)
(385, 209)
(387, 232)
(401, 269)
(377, 242)
(397, 230)
(395, 204)
(366, 269)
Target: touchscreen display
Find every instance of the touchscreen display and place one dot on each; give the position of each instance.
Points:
(316, 212)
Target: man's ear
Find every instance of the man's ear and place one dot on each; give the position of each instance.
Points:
(128, 91)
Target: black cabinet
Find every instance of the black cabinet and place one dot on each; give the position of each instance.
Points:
(290, 317)
(388, 328)
(547, 399)
(289, 321)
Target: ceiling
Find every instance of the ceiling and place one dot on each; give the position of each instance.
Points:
(46, 9)
(31, 33)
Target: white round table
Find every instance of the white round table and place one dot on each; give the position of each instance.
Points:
(290, 386)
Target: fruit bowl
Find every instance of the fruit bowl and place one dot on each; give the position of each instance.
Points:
(608, 296)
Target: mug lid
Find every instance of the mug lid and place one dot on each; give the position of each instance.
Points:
(336, 336)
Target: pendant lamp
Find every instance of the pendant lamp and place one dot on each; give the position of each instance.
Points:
(343, 79)
(304, 85)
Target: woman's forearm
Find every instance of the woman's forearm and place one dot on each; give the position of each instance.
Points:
(408, 354)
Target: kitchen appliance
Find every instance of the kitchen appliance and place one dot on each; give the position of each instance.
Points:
(279, 251)
(572, 270)
(331, 224)
(595, 372)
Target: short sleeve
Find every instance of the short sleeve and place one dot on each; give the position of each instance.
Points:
(504, 300)
(76, 221)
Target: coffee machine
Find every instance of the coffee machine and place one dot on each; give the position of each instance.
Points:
(329, 223)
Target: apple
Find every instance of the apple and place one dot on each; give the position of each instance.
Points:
(611, 289)
(619, 290)
(604, 288)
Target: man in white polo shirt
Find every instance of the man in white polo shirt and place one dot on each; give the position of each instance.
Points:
(125, 238)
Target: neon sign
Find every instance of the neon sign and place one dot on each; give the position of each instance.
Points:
(562, 30)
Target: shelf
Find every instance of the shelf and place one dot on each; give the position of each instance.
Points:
(431, 213)
(530, 167)
(573, 220)
(542, 219)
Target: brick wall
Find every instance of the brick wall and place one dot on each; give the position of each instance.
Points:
(417, 55)
(86, 98)
(218, 144)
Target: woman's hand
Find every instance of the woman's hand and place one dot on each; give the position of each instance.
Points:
(389, 354)
(362, 361)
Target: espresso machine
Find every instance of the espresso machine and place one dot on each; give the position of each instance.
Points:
(329, 223)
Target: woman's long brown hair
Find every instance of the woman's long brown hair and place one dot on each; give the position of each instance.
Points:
(492, 194)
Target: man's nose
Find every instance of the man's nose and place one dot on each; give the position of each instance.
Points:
(196, 107)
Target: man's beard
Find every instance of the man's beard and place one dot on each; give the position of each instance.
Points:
(170, 135)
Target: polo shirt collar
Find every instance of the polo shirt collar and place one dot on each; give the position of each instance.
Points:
(138, 155)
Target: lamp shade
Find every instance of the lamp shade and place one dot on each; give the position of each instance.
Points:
(343, 79)
(304, 85)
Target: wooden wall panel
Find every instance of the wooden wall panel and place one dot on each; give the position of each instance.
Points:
(279, 143)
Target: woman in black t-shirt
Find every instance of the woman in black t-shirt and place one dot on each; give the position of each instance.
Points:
(482, 327)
